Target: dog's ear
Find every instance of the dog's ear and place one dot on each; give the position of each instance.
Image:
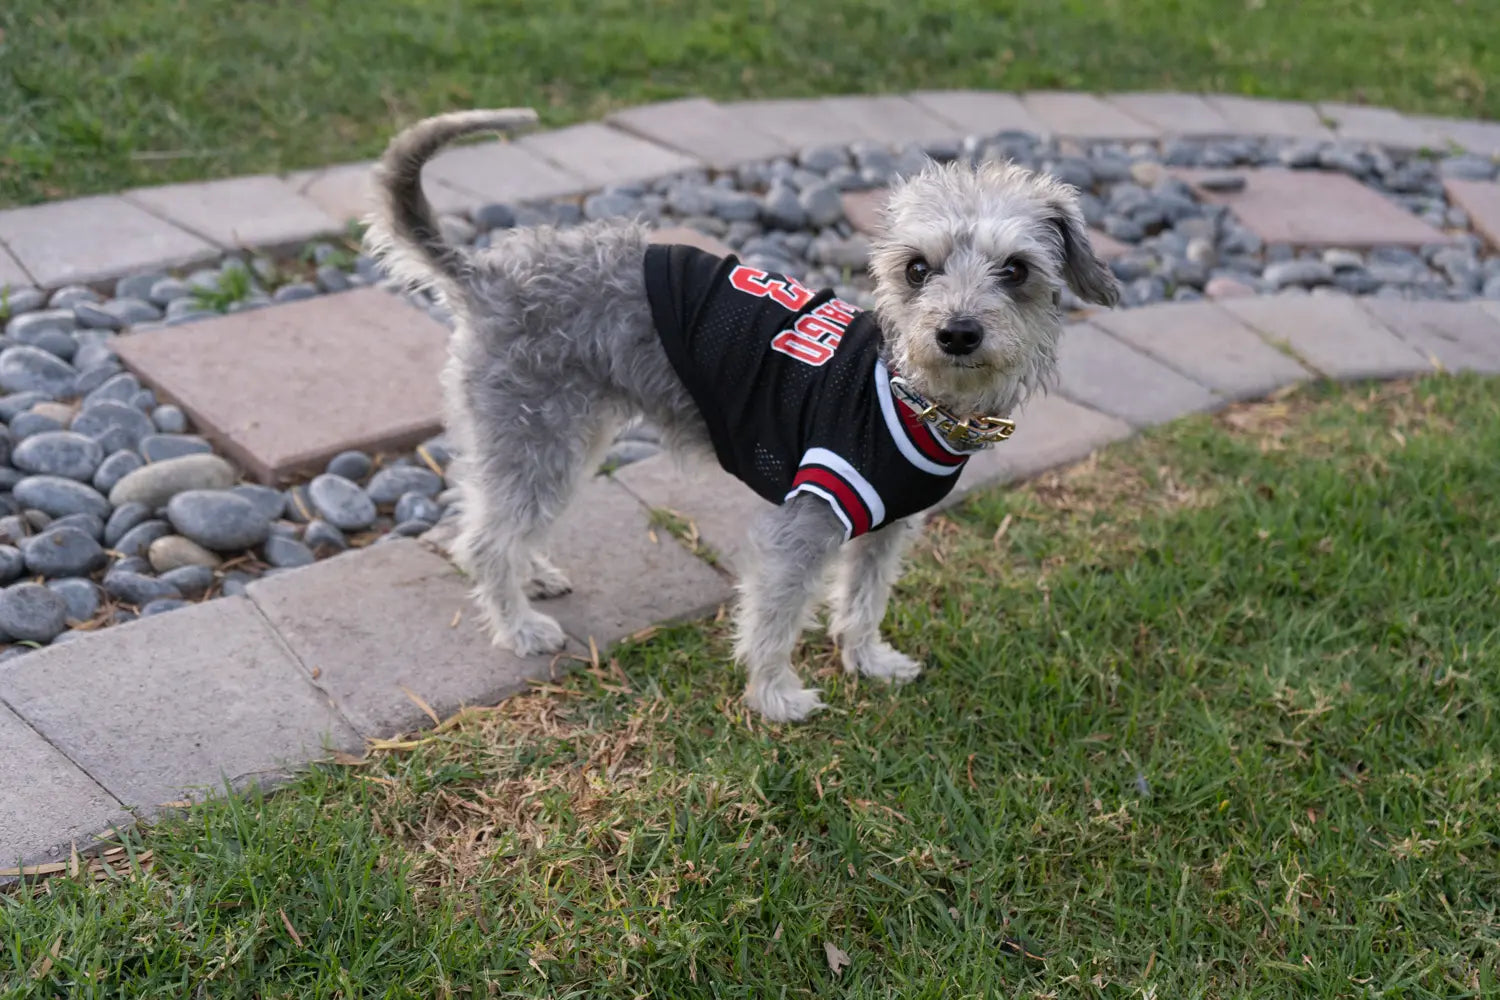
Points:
(1088, 276)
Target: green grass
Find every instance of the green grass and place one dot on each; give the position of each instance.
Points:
(101, 94)
(1212, 716)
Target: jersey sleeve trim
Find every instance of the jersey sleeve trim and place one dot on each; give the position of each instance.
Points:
(842, 485)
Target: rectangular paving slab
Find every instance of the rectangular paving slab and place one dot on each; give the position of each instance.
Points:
(1188, 115)
(262, 212)
(798, 123)
(1074, 115)
(1379, 126)
(1274, 119)
(46, 802)
(12, 274)
(343, 191)
(496, 172)
(892, 120)
(719, 507)
(1207, 344)
(95, 239)
(281, 390)
(1311, 208)
(1330, 333)
(1050, 431)
(177, 703)
(1110, 376)
(1466, 134)
(394, 615)
(701, 129)
(1481, 199)
(602, 155)
(1461, 336)
(981, 112)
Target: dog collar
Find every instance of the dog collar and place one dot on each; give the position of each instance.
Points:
(963, 434)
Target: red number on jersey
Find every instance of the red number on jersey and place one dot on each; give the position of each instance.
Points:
(783, 291)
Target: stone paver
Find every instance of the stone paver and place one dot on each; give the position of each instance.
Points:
(177, 702)
(392, 615)
(48, 801)
(12, 274)
(262, 212)
(1273, 119)
(1083, 116)
(343, 192)
(1481, 199)
(981, 112)
(1187, 115)
(1205, 343)
(94, 239)
(1331, 333)
(282, 390)
(1050, 431)
(1462, 336)
(893, 120)
(1313, 209)
(1381, 126)
(602, 155)
(496, 172)
(702, 129)
(800, 123)
(721, 507)
(1103, 373)
(1472, 136)
(693, 238)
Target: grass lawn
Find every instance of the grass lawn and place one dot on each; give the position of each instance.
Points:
(97, 95)
(1211, 716)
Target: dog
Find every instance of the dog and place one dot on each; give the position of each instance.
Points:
(853, 422)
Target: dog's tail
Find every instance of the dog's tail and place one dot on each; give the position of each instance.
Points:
(403, 231)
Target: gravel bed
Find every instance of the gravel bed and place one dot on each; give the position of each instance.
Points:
(111, 508)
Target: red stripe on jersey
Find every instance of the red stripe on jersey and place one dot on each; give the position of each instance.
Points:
(846, 496)
(921, 436)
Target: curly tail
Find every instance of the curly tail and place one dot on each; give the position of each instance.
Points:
(403, 230)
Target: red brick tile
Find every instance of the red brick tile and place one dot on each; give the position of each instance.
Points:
(1481, 199)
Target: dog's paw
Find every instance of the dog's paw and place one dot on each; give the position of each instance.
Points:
(547, 581)
(532, 635)
(881, 661)
(784, 703)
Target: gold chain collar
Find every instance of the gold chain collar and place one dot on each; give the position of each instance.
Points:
(966, 434)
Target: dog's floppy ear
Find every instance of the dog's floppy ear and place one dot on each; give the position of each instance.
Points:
(1088, 276)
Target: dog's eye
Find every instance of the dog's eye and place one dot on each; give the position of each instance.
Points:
(918, 271)
(1012, 273)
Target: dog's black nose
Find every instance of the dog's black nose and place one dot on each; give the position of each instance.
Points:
(960, 336)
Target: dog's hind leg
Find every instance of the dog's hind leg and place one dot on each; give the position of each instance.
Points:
(868, 567)
(789, 549)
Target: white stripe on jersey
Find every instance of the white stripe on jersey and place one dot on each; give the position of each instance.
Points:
(838, 511)
(847, 472)
(898, 430)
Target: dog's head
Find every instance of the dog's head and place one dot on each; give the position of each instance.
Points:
(968, 271)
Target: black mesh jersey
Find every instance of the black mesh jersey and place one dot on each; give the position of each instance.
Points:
(793, 389)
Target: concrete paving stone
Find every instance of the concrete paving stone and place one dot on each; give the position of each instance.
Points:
(981, 112)
(1481, 199)
(1050, 431)
(798, 123)
(1101, 372)
(702, 129)
(12, 274)
(177, 703)
(1490, 306)
(1205, 343)
(1379, 126)
(46, 802)
(892, 119)
(342, 191)
(1466, 134)
(1316, 209)
(283, 390)
(1271, 119)
(496, 171)
(721, 507)
(1331, 334)
(602, 155)
(1461, 336)
(1188, 115)
(693, 238)
(1074, 115)
(261, 212)
(374, 620)
(94, 239)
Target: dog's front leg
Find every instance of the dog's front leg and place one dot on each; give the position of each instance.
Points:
(789, 548)
(868, 567)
